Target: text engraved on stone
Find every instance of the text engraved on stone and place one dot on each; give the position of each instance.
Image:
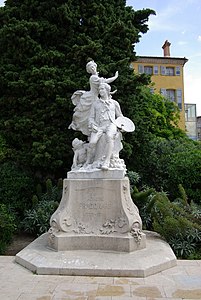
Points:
(94, 205)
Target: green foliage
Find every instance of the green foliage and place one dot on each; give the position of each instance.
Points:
(3, 149)
(16, 188)
(187, 245)
(166, 163)
(38, 217)
(7, 227)
(185, 168)
(44, 47)
(141, 198)
(178, 222)
(134, 178)
(175, 223)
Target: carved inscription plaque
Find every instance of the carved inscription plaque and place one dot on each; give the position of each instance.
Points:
(95, 204)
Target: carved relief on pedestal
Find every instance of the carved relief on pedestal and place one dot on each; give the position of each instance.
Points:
(111, 225)
(130, 206)
(136, 232)
(82, 229)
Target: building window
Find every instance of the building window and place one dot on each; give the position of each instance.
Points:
(148, 70)
(191, 121)
(190, 112)
(156, 70)
(169, 71)
(173, 95)
(163, 70)
(140, 69)
(170, 94)
(177, 71)
(179, 98)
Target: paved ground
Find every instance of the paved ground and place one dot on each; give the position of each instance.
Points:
(180, 282)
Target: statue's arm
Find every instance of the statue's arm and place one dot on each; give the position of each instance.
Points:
(75, 98)
(111, 79)
(75, 159)
(92, 123)
(118, 112)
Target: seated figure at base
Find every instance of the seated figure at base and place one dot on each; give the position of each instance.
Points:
(98, 117)
(104, 112)
(80, 153)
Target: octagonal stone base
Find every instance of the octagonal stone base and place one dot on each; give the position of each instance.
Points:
(156, 257)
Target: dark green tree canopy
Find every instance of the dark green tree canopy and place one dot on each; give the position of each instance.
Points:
(44, 47)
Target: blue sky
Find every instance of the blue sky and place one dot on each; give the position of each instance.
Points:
(179, 22)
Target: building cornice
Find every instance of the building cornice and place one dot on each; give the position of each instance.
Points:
(161, 60)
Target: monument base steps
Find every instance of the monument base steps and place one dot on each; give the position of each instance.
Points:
(156, 257)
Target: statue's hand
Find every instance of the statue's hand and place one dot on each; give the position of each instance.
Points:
(117, 74)
(93, 127)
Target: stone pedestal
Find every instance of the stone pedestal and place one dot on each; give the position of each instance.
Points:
(96, 214)
(95, 231)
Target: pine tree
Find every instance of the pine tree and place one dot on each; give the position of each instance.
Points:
(44, 47)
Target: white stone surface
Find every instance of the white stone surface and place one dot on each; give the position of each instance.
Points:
(84, 99)
(96, 214)
(125, 124)
(156, 257)
(100, 119)
(96, 174)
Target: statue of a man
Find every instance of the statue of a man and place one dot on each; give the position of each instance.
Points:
(103, 114)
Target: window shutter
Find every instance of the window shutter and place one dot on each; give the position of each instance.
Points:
(140, 69)
(163, 70)
(155, 70)
(163, 92)
(177, 71)
(179, 98)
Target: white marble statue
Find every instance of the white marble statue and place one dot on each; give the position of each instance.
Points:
(84, 99)
(99, 117)
(96, 210)
(104, 112)
(80, 153)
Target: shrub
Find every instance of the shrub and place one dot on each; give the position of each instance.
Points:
(168, 163)
(44, 204)
(178, 222)
(3, 149)
(7, 227)
(185, 169)
(16, 188)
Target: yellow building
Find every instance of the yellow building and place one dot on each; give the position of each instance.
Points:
(167, 75)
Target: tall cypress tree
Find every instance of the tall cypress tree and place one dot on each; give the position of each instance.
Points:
(44, 47)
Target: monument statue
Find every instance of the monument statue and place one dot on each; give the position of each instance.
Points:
(101, 120)
(96, 229)
(84, 99)
(96, 209)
